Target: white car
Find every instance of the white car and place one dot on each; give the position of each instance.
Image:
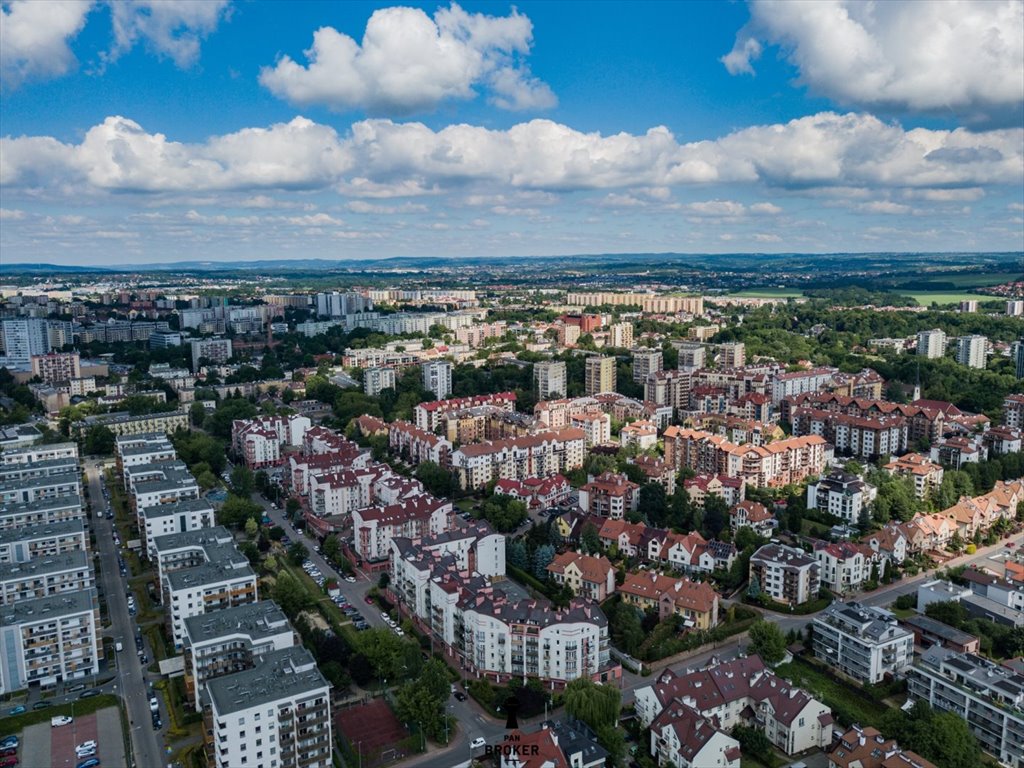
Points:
(398, 631)
(350, 579)
(90, 744)
(56, 722)
(384, 615)
(477, 743)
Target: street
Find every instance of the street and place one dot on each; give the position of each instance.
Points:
(130, 682)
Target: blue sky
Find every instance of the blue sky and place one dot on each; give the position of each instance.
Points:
(160, 131)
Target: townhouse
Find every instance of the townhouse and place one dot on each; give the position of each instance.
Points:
(587, 576)
(23, 543)
(43, 576)
(841, 494)
(46, 640)
(559, 743)
(231, 640)
(754, 515)
(732, 490)
(925, 474)
(868, 748)
(987, 696)
(536, 492)
(276, 714)
(739, 692)
(609, 495)
(785, 574)
(864, 643)
(539, 455)
(695, 602)
(890, 542)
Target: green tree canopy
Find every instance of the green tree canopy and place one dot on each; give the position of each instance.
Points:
(767, 641)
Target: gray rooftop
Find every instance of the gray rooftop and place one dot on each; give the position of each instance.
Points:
(20, 507)
(177, 508)
(984, 678)
(200, 538)
(45, 468)
(121, 417)
(213, 572)
(42, 608)
(41, 566)
(254, 620)
(286, 674)
(148, 447)
(785, 557)
(11, 453)
(867, 623)
(938, 629)
(42, 531)
(66, 478)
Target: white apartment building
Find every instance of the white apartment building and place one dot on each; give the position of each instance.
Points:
(23, 338)
(45, 576)
(17, 515)
(175, 517)
(931, 344)
(970, 351)
(12, 473)
(377, 379)
(137, 450)
(986, 695)
(230, 641)
(845, 566)
(123, 423)
(201, 571)
(841, 494)
(49, 639)
(215, 350)
(374, 527)
(23, 543)
(549, 378)
(34, 453)
(596, 427)
(275, 715)
(437, 378)
(38, 489)
(785, 574)
(645, 362)
(865, 643)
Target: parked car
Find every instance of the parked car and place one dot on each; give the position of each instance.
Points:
(42, 705)
(9, 741)
(57, 722)
(86, 746)
(350, 579)
(91, 762)
(9, 762)
(16, 710)
(8, 752)
(460, 695)
(89, 693)
(368, 600)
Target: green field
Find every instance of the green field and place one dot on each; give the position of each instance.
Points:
(976, 280)
(925, 298)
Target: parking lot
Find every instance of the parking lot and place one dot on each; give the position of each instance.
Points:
(44, 745)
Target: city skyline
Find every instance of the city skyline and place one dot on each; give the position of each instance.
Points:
(221, 131)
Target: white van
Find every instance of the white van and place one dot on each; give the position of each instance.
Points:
(118, 646)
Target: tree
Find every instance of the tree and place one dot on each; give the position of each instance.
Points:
(652, 503)
(590, 538)
(423, 699)
(627, 632)
(242, 481)
(596, 705)
(297, 553)
(270, 563)
(291, 595)
(98, 440)
(516, 555)
(944, 738)
(292, 507)
(435, 478)
(331, 548)
(767, 641)
(251, 527)
(948, 612)
(384, 651)
(542, 558)
(503, 512)
(236, 510)
(716, 515)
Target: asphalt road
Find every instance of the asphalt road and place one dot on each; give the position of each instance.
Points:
(130, 683)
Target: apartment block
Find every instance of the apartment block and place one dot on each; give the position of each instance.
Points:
(123, 423)
(864, 643)
(200, 572)
(599, 375)
(174, 517)
(925, 474)
(785, 574)
(987, 696)
(14, 473)
(41, 489)
(33, 453)
(970, 350)
(543, 454)
(275, 715)
(549, 379)
(373, 528)
(56, 367)
(429, 415)
(841, 494)
(620, 335)
(23, 543)
(47, 640)
(610, 495)
(44, 576)
(376, 380)
(230, 641)
(931, 344)
(732, 354)
(437, 378)
(137, 450)
(22, 514)
(646, 360)
(215, 350)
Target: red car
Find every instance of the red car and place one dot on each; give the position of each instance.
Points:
(369, 600)
(8, 751)
(8, 762)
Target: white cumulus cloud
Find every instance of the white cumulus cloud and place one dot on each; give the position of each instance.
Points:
(409, 62)
(171, 28)
(34, 38)
(916, 54)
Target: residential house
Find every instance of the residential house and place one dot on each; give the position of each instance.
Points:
(752, 514)
(587, 576)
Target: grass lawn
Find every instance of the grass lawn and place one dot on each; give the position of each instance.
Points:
(849, 702)
(925, 298)
(902, 613)
(74, 709)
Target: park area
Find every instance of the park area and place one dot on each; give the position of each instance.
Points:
(371, 735)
